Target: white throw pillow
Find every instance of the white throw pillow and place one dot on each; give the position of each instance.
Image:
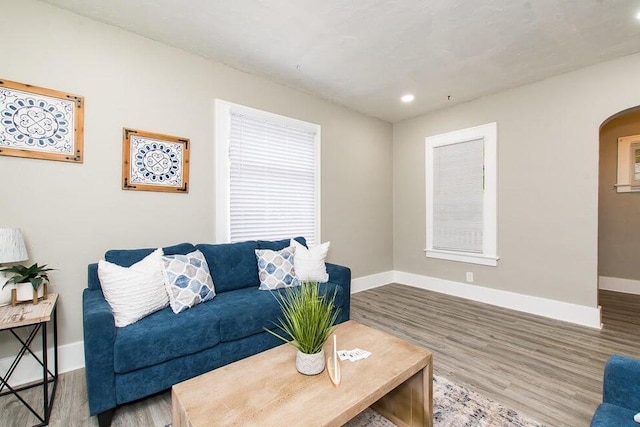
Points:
(309, 263)
(136, 291)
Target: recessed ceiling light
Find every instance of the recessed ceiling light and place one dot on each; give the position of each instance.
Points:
(638, 16)
(407, 98)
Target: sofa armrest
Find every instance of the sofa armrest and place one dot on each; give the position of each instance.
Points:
(341, 275)
(621, 385)
(99, 340)
(93, 282)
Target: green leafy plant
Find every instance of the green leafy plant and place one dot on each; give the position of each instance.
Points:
(308, 317)
(36, 275)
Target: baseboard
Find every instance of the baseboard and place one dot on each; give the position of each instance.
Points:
(628, 286)
(71, 357)
(573, 313)
(372, 281)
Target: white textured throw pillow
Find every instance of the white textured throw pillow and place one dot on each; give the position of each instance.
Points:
(309, 263)
(136, 291)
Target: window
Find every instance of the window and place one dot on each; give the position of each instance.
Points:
(635, 164)
(267, 175)
(628, 164)
(461, 184)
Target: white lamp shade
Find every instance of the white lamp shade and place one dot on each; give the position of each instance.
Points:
(12, 248)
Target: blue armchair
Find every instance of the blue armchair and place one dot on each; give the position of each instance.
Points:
(621, 393)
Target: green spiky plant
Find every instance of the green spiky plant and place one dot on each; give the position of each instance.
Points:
(307, 317)
(36, 275)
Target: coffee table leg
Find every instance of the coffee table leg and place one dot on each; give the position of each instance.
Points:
(178, 412)
(428, 395)
(410, 404)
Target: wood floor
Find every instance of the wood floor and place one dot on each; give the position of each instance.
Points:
(546, 369)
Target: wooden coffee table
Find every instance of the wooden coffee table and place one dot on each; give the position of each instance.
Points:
(266, 390)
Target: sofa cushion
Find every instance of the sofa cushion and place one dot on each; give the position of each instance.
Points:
(188, 280)
(164, 335)
(143, 382)
(248, 311)
(275, 269)
(134, 292)
(310, 262)
(608, 415)
(128, 257)
(278, 245)
(233, 265)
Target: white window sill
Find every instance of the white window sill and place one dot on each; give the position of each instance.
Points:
(491, 261)
(626, 188)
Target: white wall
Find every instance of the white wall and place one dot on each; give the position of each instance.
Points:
(547, 181)
(72, 213)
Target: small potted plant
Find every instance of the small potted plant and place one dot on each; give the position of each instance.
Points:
(309, 319)
(30, 282)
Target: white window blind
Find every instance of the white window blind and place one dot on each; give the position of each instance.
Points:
(461, 183)
(273, 190)
(458, 196)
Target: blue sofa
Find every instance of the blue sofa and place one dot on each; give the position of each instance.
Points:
(163, 349)
(620, 393)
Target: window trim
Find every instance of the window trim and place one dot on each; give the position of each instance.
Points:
(222, 121)
(488, 132)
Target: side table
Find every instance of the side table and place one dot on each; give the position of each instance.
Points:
(35, 319)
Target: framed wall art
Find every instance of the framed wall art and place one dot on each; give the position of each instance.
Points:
(40, 123)
(154, 162)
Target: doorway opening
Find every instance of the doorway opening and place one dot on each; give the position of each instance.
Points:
(619, 218)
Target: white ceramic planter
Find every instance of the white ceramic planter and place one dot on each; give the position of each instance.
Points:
(310, 364)
(24, 292)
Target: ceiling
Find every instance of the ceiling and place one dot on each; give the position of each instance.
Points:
(365, 54)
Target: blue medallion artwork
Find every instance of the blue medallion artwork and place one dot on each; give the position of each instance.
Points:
(32, 121)
(156, 162)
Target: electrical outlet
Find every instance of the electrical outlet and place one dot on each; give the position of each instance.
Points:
(469, 277)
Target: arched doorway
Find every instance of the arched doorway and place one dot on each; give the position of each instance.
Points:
(618, 219)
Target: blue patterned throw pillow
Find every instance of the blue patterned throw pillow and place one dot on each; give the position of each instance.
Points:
(275, 268)
(188, 280)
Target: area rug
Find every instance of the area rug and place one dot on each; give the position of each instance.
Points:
(456, 406)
